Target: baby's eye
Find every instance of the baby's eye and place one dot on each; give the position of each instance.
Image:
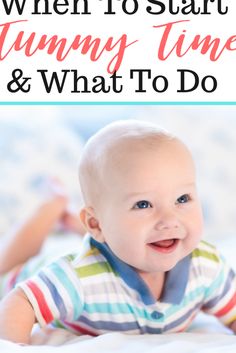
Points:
(142, 204)
(183, 198)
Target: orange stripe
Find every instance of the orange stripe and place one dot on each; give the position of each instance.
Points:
(43, 307)
(227, 307)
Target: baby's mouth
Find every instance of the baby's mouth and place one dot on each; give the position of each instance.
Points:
(165, 246)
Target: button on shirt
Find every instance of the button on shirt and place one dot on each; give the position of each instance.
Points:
(95, 292)
(156, 315)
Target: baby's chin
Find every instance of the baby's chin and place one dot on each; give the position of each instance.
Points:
(167, 267)
(169, 264)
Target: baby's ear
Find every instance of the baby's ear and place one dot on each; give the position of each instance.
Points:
(91, 223)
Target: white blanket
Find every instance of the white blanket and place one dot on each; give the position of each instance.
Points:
(205, 336)
(117, 342)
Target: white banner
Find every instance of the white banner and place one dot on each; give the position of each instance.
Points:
(117, 51)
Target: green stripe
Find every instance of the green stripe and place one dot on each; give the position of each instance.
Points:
(187, 303)
(205, 254)
(94, 269)
(208, 244)
(58, 324)
(70, 257)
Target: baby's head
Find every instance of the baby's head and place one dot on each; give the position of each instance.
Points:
(111, 148)
(139, 189)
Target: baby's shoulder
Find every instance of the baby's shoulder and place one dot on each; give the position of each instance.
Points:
(206, 261)
(89, 262)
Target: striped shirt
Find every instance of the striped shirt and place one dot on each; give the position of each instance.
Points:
(95, 293)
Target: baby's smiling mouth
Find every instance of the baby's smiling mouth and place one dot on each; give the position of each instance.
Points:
(165, 246)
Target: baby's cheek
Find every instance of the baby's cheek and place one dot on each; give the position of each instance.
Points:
(196, 234)
(196, 224)
(200, 227)
(194, 237)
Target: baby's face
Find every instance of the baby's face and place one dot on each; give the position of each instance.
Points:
(151, 216)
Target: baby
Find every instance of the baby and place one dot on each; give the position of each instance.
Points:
(142, 267)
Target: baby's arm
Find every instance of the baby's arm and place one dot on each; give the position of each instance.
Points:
(16, 317)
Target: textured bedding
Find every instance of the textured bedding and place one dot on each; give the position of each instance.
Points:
(61, 341)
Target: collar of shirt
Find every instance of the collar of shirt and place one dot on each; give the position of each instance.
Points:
(175, 282)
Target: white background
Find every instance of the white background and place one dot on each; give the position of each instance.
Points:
(141, 55)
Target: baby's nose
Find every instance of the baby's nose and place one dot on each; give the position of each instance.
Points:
(167, 220)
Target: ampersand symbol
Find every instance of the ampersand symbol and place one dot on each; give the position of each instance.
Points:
(15, 85)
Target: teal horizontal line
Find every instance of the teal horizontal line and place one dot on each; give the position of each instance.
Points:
(118, 103)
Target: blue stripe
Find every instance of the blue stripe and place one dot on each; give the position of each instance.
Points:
(198, 292)
(127, 326)
(183, 318)
(211, 303)
(68, 285)
(55, 294)
(176, 280)
(126, 272)
(219, 280)
(121, 327)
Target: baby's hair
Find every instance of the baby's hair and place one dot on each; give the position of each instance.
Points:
(106, 144)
